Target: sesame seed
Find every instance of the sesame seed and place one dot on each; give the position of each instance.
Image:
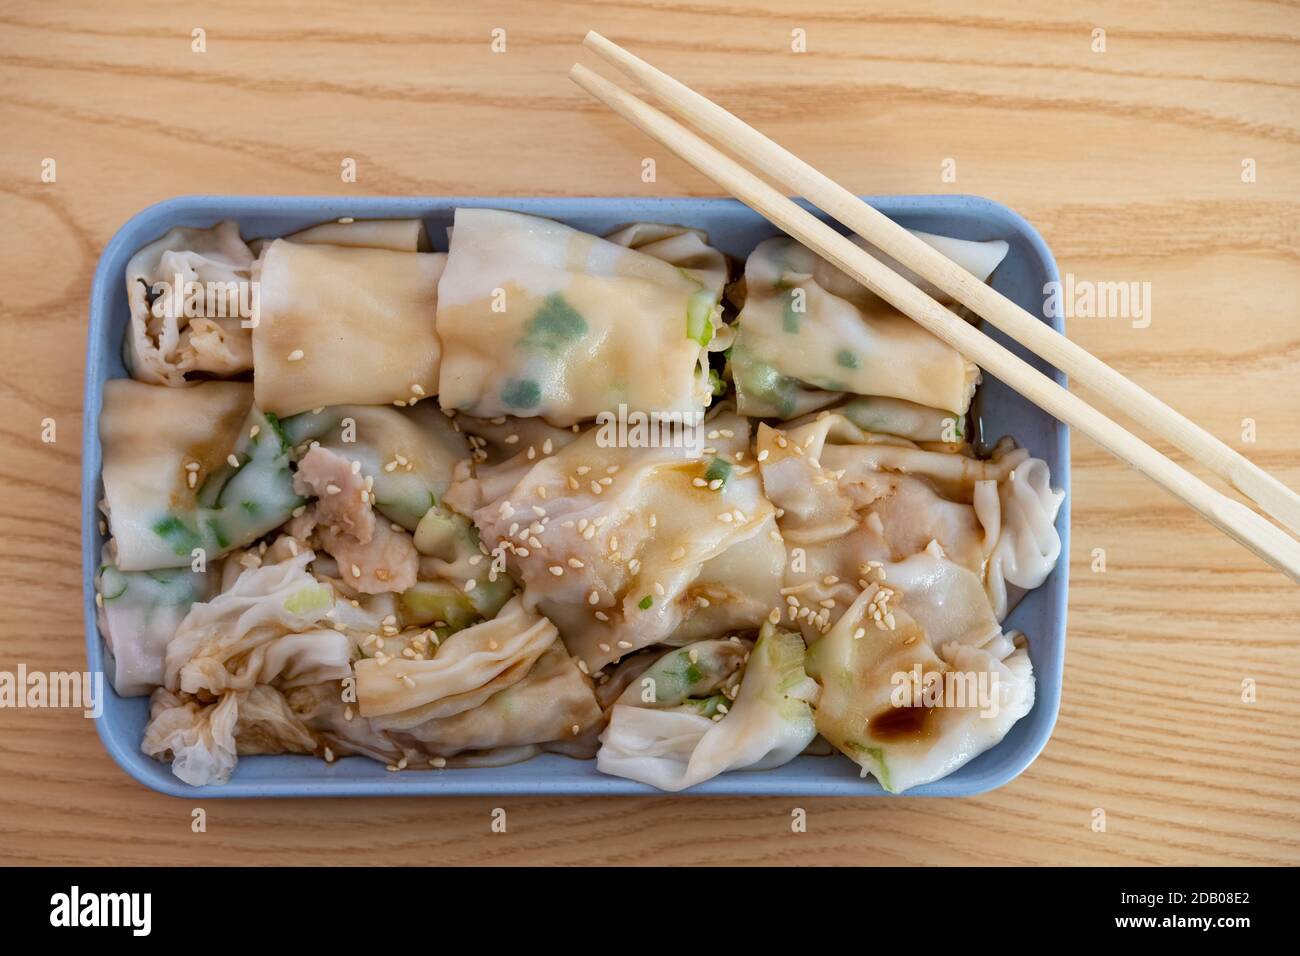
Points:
(694, 655)
(417, 388)
(332, 489)
(557, 570)
(234, 462)
(547, 447)
(726, 517)
(438, 762)
(658, 589)
(699, 483)
(582, 666)
(626, 645)
(470, 585)
(356, 571)
(596, 488)
(296, 355)
(602, 616)
(191, 479)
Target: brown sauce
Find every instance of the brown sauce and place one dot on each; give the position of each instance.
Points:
(900, 723)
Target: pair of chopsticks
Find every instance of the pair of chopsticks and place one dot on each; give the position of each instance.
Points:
(1228, 515)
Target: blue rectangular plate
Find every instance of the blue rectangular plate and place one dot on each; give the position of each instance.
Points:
(735, 229)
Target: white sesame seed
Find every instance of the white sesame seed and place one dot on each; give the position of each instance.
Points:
(556, 569)
(296, 355)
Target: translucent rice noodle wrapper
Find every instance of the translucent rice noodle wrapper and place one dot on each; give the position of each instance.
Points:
(171, 490)
(547, 705)
(853, 499)
(906, 705)
(808, 333)
(345, 325)
(139, 614)
(271, 628)
(627, 547)
(769, 723)
(410, 453)
(539, 319)
(191, 306)
(397, 235)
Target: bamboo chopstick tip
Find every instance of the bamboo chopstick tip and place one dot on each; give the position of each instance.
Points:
(581, 75)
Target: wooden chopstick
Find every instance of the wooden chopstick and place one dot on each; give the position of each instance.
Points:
(886, 235)
(1229, 516)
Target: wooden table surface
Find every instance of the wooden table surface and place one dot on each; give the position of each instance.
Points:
(1129, 160)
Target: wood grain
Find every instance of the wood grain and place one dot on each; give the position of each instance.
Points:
(1128, 161)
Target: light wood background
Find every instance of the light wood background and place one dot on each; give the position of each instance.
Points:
(1129, 161)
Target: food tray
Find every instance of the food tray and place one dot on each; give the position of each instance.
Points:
(733, 228)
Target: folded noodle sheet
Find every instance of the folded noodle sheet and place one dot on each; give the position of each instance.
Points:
(537, 318)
